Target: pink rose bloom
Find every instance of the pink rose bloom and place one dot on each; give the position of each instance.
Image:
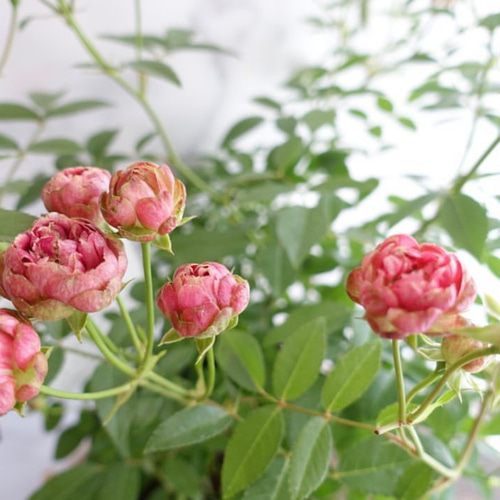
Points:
(75, 192)
(409, 288)
(203, 300)
(144, 201)
(22, 366)
(60, 265)
(455, 347)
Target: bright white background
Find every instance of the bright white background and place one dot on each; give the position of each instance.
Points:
(270, 40)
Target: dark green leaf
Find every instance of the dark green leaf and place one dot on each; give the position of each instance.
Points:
(273, 484)
(466, 222)
(241, 128)
(287, 124)
(76, 107)
(251, 448)
(351, 376)
(311, 454)
(8, 143)
(414, 483)
(287, 155)
(183, 476)
(98, 144)
(56, 147)
(373, 466)
(10, 111)
(240, 356)
(157, 69)
(189, 426)
(13, 223)
(299, 360)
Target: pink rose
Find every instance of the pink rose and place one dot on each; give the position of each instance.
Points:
(144, 201)
(22, 366)
(409, 288)
(75, 192)
(203, 300)
(60, 265)
(455, 347)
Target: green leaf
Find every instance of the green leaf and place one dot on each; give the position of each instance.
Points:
(385, 105)
(76, 107)
(203, 345)
(285, 156)
(241, 128)
(56, 147)
(157, 69)
(45, 100)
(489, 334)
(251, 448)
(189, 426)
(99, 143)
(13, 223)
(406, 122)
(273, 484)
(373, 465)
(414, 483)
(183, 476)
(299, 360)
(299, 228)
(8, 143)
(490, 22)
(10, 111)
(351, 376)
(268, 103)
(466, 222)
(77, 323)
(318, 117)
(240, 356)
(311, 454)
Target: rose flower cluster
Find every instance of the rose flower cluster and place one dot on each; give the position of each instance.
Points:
(71, 261)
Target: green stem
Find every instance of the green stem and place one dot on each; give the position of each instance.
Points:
(139, 43)
(211, 373)
(49, 391)
(162, 390)
(130, 326)
(400, 382)
(65, 11)
(167, 384)
(460, 182)
(422, 385)
(11, 32)
(150, 307)
(446, 376)
(97, 337)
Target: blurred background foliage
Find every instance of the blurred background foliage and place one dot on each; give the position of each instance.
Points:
(284, 202)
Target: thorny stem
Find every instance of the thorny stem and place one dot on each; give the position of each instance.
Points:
(174, 160)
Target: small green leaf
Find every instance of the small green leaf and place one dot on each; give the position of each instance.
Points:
(189, 426)
(490, 22)
(203, 345)
(251, 448)
(10, 111)
(318, 117)
(76, 107)
(171, 336)
(299, 360)
(376, 131)
(311, 454)
(466, 222)
(285, 156)
(56, 147)
(157, 69)
(241, 128)
(98, 144)
(8, 143)
(77, 323)
(351, 376)
(240, 356)
(13, 223)
(406, 122)
(385, 105)
(268, 103)
(45, 100)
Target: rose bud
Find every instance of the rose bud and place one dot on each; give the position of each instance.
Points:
(203, 300)
(60, 265)
(455, 347)
(75, 192)
(22, 366)
(407, 288)
(144, 201)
